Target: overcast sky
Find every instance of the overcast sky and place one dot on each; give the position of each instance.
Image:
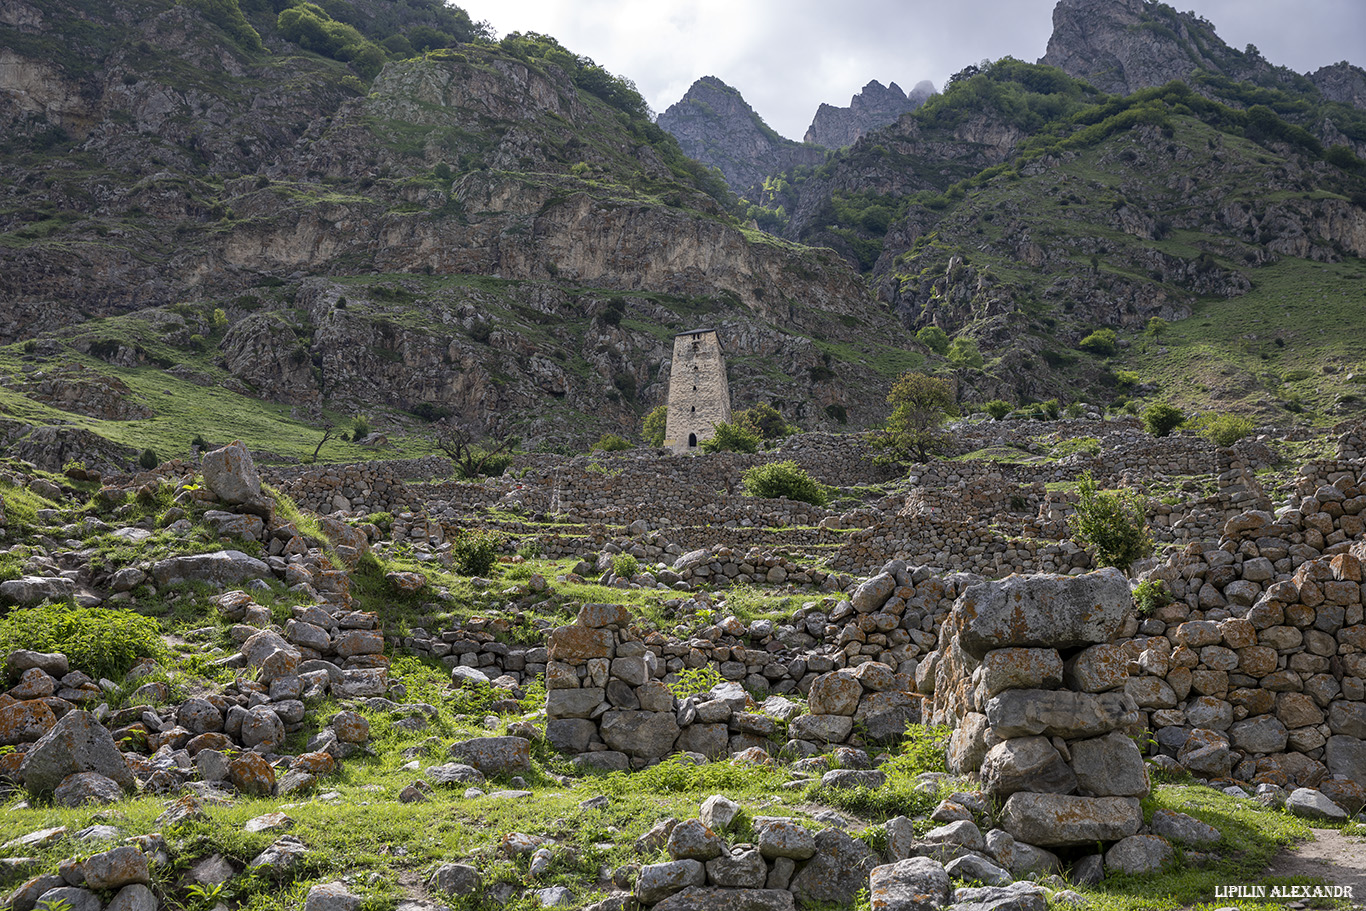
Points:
(788, 56)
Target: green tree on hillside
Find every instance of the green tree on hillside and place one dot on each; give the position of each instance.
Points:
(920, 405)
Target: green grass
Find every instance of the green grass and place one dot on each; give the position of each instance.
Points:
(1252, 836)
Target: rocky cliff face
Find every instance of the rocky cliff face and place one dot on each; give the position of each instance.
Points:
(1342, 82)
(875, 106)
(714, 124)
(536, 220)
(1121, 46)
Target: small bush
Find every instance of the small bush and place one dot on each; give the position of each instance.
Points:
(148, 459)
(360, 428)
(475, 553)
(1149, 595)
(997, 408)
(624, 566)
(1113, 526)
(1101, 343)
(1222, 429)
(1127, 379)
(98, 641)
(785, 479)
(655, 424)
(1160, 419)
(610, 442)
(732, 437)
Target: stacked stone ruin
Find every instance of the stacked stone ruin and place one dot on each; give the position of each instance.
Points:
(1031, 675)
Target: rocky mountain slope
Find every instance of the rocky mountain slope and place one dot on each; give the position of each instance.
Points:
(715, 125)
(875, 106)
(485, 236)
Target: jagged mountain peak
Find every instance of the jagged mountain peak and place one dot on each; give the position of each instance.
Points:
(873, 107)
(714, 124)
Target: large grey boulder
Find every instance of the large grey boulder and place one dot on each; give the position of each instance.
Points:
(659, 881)
(837, 872)
(648, 735)
(1043, 611)
(494, 755)
(1139, 854)
(1026, 764)
(914, 884)
(1263, 734)
(1308, 803)
(1188, 830)
(76, 743)
(778, 836)
(230, 473)
(221, 568)
(1058, 713)
(1346, 757)
(35, 589)
(1014, 897)
(1109, 766)
(698, 898)
(1052, 820)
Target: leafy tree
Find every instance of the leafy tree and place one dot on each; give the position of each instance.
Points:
(1112, 526)
(227, 15)
(920, 405)
(1156, 326)
(934, 338)
(473, 457)
(964, 353)
(785, 479)
(733, 436)
(655, 423)
(309, 26)
(766, 419)
(1160, 419)
(997, 408)
(1101, 343)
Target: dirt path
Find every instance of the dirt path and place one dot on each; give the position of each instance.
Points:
(1332, 857)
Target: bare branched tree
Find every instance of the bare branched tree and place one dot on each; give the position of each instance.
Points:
(474, 456)
(329, 431)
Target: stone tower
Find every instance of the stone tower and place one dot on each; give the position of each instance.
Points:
(699, 397)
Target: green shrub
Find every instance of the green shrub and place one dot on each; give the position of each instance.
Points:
(1113, 526)
(934, 338)
(732, 437)
(1149, 595)
(1126, 379)
(99, 641)
(1222, 429)
(997, 408)
(1087, 445)
(360, 428)
(610, 442)
(475, 552)
(785, 479)
(227, 15)
(1101, 343)
(766, 419)
(655, 424)
(1160, 419)
(624, 566)
(965, 353)
(148, 459)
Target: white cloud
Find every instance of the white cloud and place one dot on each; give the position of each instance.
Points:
(786, 58)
